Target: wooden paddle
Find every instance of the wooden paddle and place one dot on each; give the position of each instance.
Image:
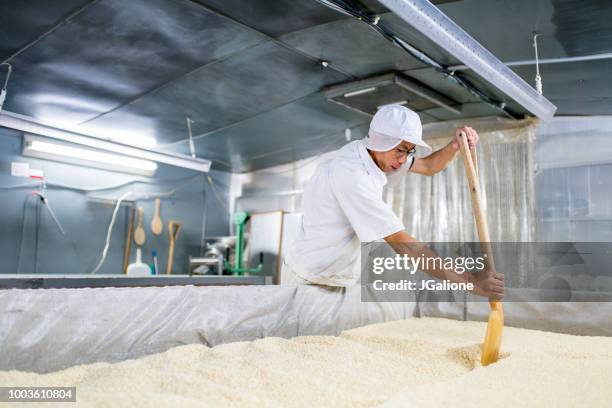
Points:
(139, 234)
(156, 223)
(495, 326)
(128, 241)
(174, 228)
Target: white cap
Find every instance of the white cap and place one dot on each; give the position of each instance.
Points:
(393, 124)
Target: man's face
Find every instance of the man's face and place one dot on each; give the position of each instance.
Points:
(393, 159)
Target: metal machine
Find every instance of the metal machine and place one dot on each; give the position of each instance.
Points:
(216, 259)
(240, 219)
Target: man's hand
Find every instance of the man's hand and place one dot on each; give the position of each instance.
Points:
(488, 284)
(472, 137)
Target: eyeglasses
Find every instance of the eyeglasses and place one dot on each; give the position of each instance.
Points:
(399, 153)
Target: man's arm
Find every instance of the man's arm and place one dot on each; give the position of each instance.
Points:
(437, 161)
(486, 283)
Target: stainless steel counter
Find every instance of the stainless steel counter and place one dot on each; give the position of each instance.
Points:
(41, 281)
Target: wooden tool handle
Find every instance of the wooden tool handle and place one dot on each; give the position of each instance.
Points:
(170, 258)
(157, 204)
(174, 228)
(140, 212)
(128, 241)
(475, 161)
(477, 205)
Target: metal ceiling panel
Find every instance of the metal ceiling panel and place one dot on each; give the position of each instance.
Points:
(115, 51)
(23, 21)
(579, 80)
(302, 149)
(277, 17)
(583, 26)
(506, 27)
(445, 86)
(310, 148)
(352, 46)
(575, 84)
(257, 80)
(139, 67)
(279, 133)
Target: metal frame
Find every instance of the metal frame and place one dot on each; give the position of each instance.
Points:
(544, 61)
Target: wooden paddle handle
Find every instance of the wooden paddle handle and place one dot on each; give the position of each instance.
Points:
(170, 258)
(140, 212)
(128, 241)
(174, 228)
(469, 163)
(157, 204)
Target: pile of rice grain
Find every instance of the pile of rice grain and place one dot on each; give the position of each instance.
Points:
(424, 362)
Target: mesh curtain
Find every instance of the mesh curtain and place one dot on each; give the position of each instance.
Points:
(438, 208)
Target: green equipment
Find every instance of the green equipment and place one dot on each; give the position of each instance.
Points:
(240, 219)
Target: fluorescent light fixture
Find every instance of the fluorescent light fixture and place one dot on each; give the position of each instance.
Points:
(58, 151)
(435, 25)
(30, 125)
(359, 92)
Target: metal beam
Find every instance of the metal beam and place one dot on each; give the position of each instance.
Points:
(560, 60)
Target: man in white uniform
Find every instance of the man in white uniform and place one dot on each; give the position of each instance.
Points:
(343, 205)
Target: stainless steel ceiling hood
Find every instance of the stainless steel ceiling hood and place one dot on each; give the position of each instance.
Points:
(367, 95)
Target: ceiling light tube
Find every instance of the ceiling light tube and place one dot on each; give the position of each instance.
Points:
(48, 149)
(435, 25)
(30, 125)
(359, 92)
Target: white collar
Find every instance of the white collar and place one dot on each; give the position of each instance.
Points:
(370, 166)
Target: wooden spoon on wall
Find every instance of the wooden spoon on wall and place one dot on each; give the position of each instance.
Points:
(156, 223)
(139, 234)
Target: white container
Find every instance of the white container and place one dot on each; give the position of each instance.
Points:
(138, 268)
